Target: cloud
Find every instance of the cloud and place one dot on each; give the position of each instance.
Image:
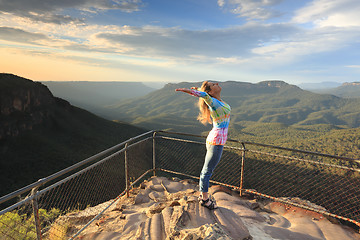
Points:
(272, 44)
(254, 44)
(221, 3)
(306, 43)
(252, 9)
(21, 36)
(168, 45)
(51, 11)
(330, 13)
(180, 43)
(55, 5)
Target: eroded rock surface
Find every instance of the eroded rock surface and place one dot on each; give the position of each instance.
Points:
(169, 209)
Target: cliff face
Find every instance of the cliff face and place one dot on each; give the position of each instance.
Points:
(351, 84)
(273, 83)
(41, 134)
(23, 104)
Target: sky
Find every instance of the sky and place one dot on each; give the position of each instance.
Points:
(307, 41)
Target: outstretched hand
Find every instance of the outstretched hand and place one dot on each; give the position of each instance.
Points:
(186, 90)
(182, 90)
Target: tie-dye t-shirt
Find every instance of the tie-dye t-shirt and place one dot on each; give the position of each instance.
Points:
(220, 114)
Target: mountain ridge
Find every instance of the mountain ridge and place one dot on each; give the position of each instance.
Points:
(346, 90)
(264, 102)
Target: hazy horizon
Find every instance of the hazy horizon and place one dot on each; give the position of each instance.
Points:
(159, 85)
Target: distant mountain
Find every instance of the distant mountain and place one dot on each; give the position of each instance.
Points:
(346, 90)
(318, 86)
(41, 134)
(264, 102)
(155, 85)
(95, 96)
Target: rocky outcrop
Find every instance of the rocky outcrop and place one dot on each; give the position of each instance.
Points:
(273, 83)
(23, 104)
(169, 209)
(351, 84)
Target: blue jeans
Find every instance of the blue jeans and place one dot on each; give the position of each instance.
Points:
(212, 158)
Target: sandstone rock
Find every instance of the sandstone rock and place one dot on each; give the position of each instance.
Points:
(179, 215)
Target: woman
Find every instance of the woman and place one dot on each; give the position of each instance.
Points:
(212, 110)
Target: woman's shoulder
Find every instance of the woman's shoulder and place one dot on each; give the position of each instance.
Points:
(221, 103)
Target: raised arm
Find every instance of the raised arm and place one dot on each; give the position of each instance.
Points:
(185, 90)
(194, 92)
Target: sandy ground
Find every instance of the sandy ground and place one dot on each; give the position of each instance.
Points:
(169, 209)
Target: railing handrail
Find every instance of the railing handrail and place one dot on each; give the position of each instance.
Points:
(60, 173)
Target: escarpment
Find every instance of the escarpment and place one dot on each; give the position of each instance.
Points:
(24, 104)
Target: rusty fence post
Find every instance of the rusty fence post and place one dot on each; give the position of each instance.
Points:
(35, 208)
(126, 171)
(242, 169)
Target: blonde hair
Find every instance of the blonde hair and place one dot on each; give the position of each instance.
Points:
(204, 115)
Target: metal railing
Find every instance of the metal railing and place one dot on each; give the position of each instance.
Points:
(64, 204)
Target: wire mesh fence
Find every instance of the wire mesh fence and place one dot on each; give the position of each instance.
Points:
(188, 157)
(99, 183)
(63, 207)
(328, 185)
(18, 223)
(319, 182)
